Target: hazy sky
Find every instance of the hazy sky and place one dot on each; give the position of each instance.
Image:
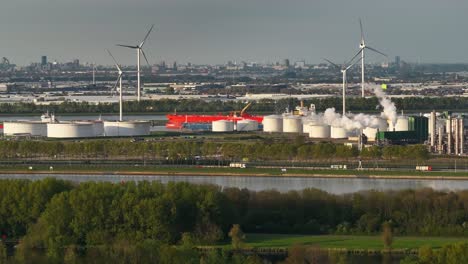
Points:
(215, 31)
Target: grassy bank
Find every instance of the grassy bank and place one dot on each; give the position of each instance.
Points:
(222, 171)
(345, 242)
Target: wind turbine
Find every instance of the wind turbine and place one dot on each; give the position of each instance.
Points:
(362, 48)
(119, 81)
(139, 50)
(344, 70)
(94, 74)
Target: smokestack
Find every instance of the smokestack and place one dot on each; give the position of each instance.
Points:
(360, 141)
(432, 126)
(457, 135)
(461, 126)
(441, 133)
(449, 135)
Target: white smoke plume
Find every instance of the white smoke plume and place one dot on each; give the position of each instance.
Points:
(359, 121)
(389, 108)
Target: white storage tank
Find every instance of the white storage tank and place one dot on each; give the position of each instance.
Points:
(33, 128)
(308, 124)
(247, 125)
(370, 133)
(98, 127)
(338, 132)
(378, 125)
(292, 124)
(126, 128)
(401, 124)
(273, 123)
(222, 126)
(319, 131)
(70, 130)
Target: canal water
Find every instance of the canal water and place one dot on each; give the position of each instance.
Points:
(282, 184)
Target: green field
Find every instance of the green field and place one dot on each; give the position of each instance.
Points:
(199, 170)
(345, 242)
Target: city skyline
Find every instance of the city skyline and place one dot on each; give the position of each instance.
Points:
(217, 31)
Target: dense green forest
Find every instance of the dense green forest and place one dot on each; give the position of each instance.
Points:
(143, 221)
(256, 150)
(263, 106)
(454, 253)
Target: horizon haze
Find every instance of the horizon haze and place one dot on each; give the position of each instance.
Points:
(216, 31)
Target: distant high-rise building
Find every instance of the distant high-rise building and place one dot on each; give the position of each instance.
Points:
(44, 60)
(397, 62)
(286, 63)
(174, 66)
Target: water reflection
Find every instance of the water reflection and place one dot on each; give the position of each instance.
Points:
(283, 184)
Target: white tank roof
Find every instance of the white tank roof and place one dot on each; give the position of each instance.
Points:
(292, 124)
(273, 123)
(222, 126)
(126, 128)
(70, 130)
(319, 131)
(33, 128)
(338, 132)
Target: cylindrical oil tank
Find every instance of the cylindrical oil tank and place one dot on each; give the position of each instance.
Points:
(98, 127)
(370, 133)
(401, 124)
(307, 125)
(319, 131)
(292, 124)
(70, 130)
(126, 128)
(246, 125)
(377, 125)
(33, 128)
(222, 126)
(338, 132)
(273, 123)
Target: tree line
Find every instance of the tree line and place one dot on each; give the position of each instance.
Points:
(146, 220)
(216, 106)
(262, 150)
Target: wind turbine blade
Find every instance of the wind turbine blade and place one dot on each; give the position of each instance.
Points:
(127, 46)
(357, 54)
(362, 31)
(144, 56)
(116, 64)
(351, 65)
(374, 50)
(117, 82)
(334, 64)
(147, 34)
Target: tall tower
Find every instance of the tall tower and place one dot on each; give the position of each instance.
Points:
(44, 60)
(397, 62)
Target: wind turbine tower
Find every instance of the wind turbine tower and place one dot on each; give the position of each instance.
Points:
(139, 50)
(344, 70)
(94, 74)
(119, 82)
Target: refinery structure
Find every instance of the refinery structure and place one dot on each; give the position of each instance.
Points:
(444, 133)
(50, 127)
